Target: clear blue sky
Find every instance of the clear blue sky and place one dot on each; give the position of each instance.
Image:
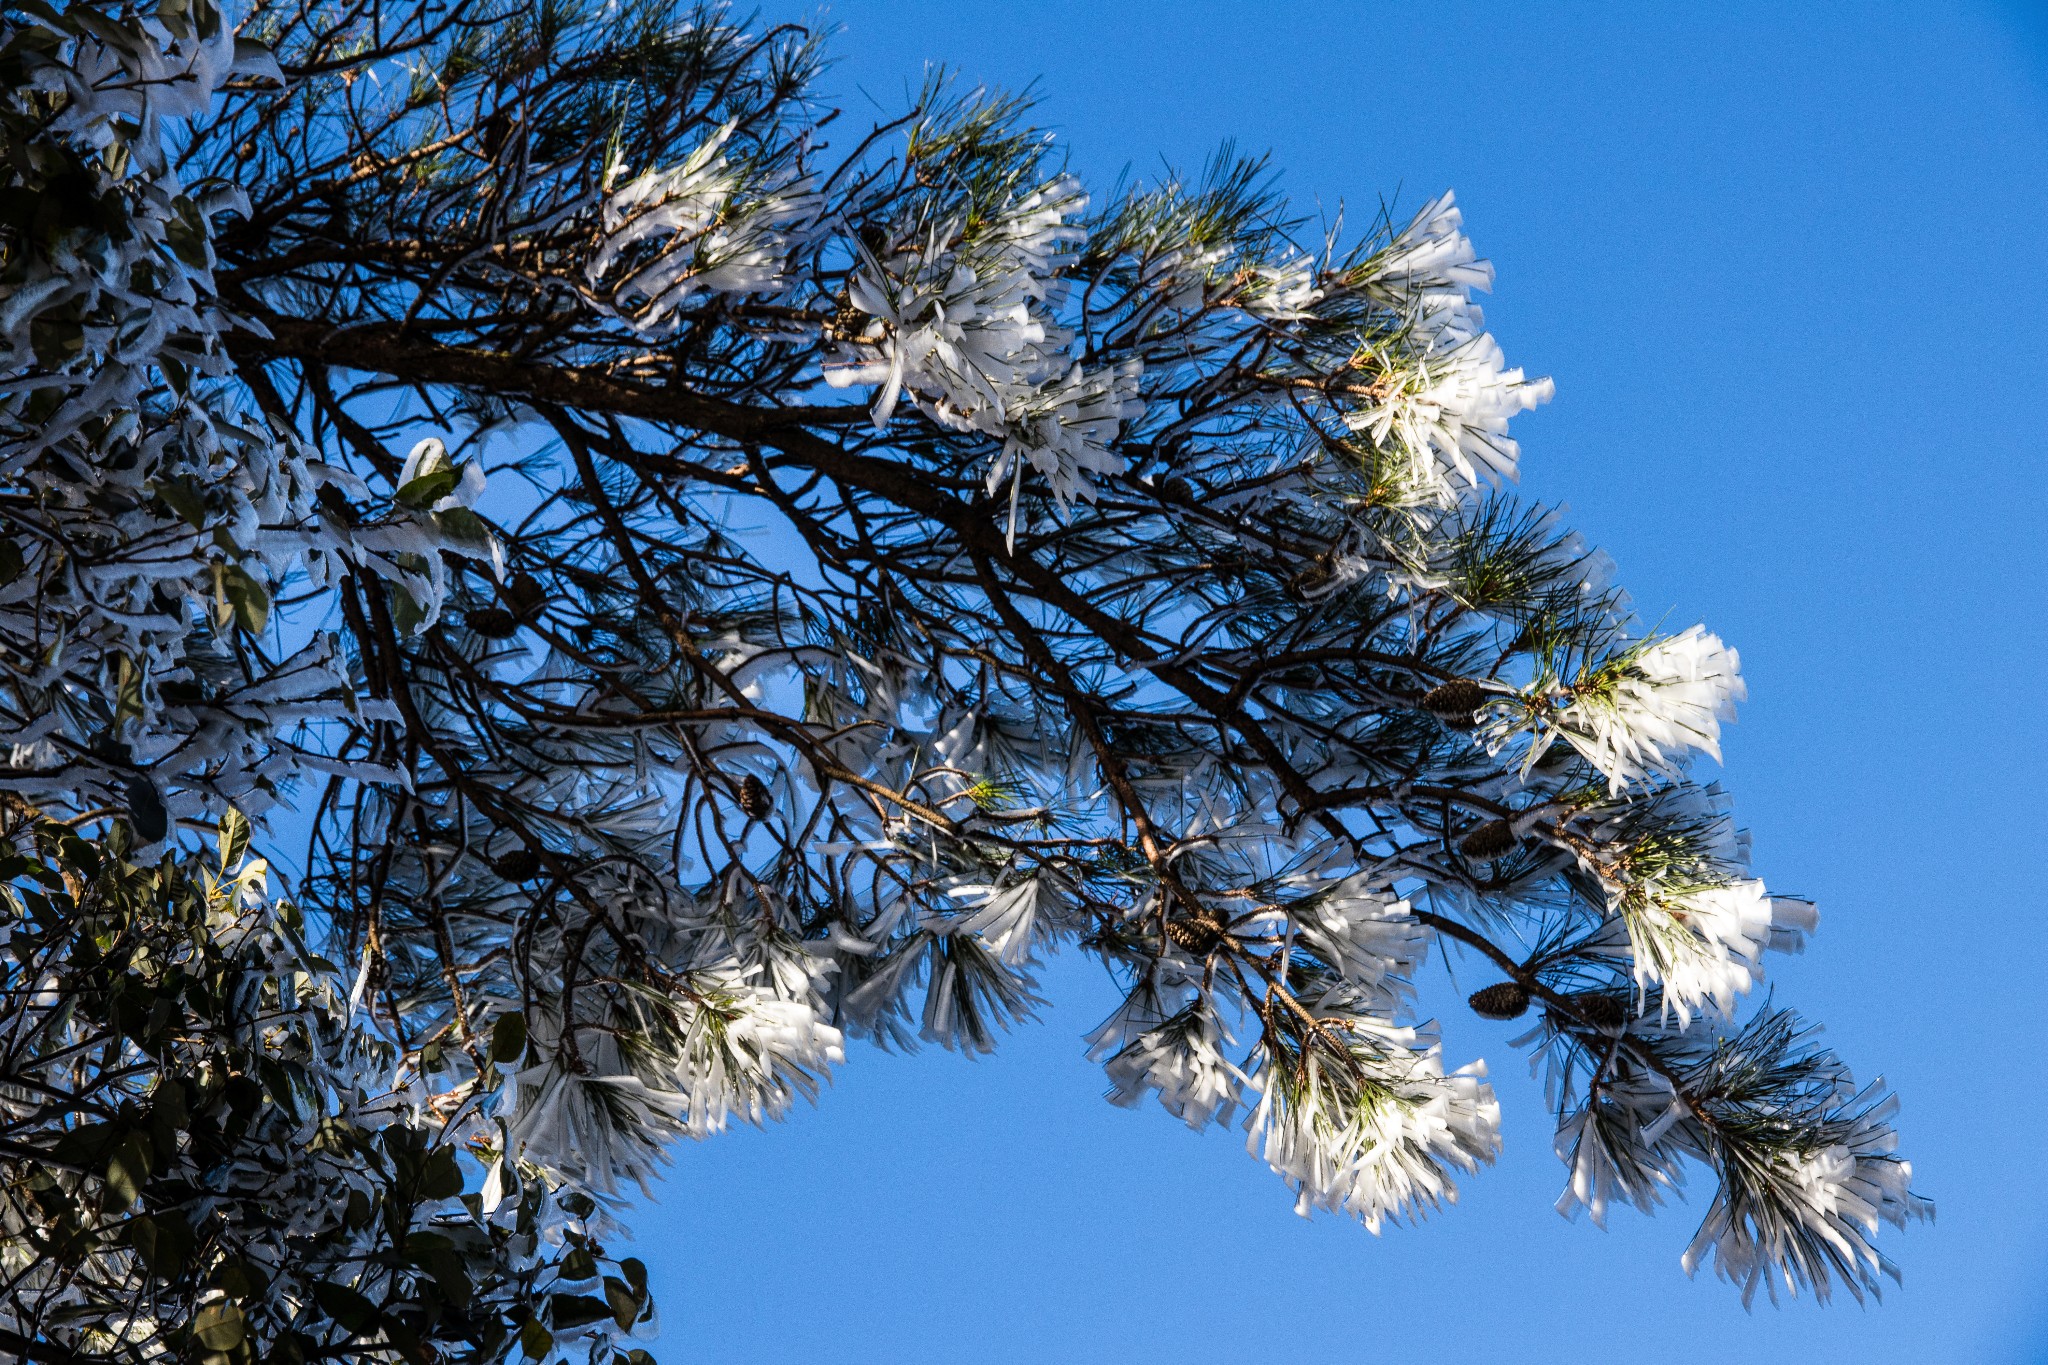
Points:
(1789, 267)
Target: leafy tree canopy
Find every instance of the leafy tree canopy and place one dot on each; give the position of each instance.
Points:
(709, 580)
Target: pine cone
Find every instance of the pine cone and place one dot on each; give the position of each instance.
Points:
(1456, 702)
(1494, 839)
(1604, 1010)
(754, 798)
(493, 623)
(1310, 579)
(1196, 935)
(848, 322)
(495, 130)
(519, 865)
(524, 595)
(1501, 1000)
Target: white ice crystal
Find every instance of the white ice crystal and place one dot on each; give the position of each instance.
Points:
(1283, 291)
(1640, 716)
(1379, 1144)
(1428, 272)
(1702, 944)
(741, 1049)
(1182, 1061)
(965, 328)
(706, 226)
(1373, 941)
(1808, 1205)
(1448, 394)
(1449, 410)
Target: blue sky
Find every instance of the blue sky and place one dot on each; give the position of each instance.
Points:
(1790, 272)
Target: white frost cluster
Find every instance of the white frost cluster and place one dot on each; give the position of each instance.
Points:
(593, 1129)
(1642, 718)
(1382, 1146)
(1373, 941)
(1705, 944)
(1449, 410)
(1281, 292)
(1429, 271)
(142, 74)
(966, 329)
(1836, 1197)
(1683, 910)
(707, 226)
(745, 1050)
(1064, 430)
(144, 507)
(1180, 276)
(1008, 919)
(1611, 1151)
(1181, 1060)
(1449, 394)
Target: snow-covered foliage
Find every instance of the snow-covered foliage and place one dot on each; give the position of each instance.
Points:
(1793, 1216)
(1182, 1061)
(247, 1169)
(706, 226)
(1636, 715)
(1375, 1128)
(713, 603)
(153, 513)
(1446, 394)
(965, 322)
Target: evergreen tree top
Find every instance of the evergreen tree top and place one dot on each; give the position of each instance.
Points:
(718, 581)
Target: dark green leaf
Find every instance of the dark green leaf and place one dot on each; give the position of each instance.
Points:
(186, 233)
(625, 1303)
(569, 1311)
(427, 489)
(508, 1037)
(406, 613)
(248, 605)
(535, 1339)
(451, 1275)
(354, 1312)
(127, 1170)
(441, 1177)
(146, 811)
(163, 1240)
(233, 839)
(184, 499)
(636, 1274)
(240, 1280)
(463, 528)
(219, 1327)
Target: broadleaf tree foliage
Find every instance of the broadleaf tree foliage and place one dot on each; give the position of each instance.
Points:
(708, 580)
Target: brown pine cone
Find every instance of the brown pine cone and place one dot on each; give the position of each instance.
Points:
(754, 798)
(1604, 1010)
(1196, 935)
(493, 623)
(1494, 839)
(519, 865)
(1456, 703)
(524, 595)
(1501, 1000)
